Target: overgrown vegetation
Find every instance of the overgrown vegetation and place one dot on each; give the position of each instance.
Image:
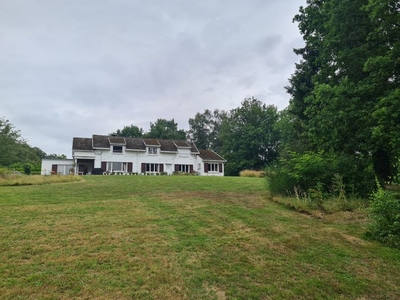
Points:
(385, 214)
(182, 237)
(328, 174)
(341, 128)
(10, 178)
(251, 173)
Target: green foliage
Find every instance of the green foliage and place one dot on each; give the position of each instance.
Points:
(345, 90)
(385, 214)
(4, 172)
(14, 149)
(130, 131)
(279, 182)
(161, 129)
(249, 138)
(204, 129)
(27, 168)
(321, 174)
(165, 129)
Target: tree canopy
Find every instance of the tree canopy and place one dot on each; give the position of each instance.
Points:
(14, 149)
(205, 127)
(345, 90)
(129, 131)
(165, 129)
(248, 136)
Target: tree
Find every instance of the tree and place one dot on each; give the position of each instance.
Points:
(129, 131)
(14, 149)
(248, 136)
(10, 140)
(345, 85)
(384, 77)
(204, 129)
(165, 129)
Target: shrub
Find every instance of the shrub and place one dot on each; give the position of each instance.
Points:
(27, 168)
(385, 214)
(251, 173)
(278, 180)
(4, 172)
(315, 172)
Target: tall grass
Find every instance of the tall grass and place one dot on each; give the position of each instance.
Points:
(8, 179)
(251, 173)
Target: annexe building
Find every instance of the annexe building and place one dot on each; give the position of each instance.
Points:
(126, 155)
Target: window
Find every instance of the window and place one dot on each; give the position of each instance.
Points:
(117, 149)
(213, 167)
(152, 150)
(114, 166)
(152, 167)
(184, 168)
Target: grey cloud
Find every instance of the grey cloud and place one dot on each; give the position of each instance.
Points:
(74, 68)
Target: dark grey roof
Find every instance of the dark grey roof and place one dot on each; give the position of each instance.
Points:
(181, 144)
(210, 156)
(193, 147)
(101, 141)
(168, 146)
(117, 140)
(135, 144)
(151, 142)
(82, 143)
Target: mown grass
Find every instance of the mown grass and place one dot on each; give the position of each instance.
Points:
(182, 237)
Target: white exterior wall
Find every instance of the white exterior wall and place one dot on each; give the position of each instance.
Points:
(63, 166)
(168, 159)
(201, 163)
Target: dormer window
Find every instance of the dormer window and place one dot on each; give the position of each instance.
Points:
(117, 149)
(152, 150)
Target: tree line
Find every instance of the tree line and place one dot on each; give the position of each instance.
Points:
(245, 136)
(343, 117)
(16, 153)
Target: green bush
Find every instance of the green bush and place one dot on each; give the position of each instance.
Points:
(278, 181)
(315, 173)
(385, 214)
(27, 168)
(4, 172)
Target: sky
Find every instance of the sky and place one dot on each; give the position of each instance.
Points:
(77, 68)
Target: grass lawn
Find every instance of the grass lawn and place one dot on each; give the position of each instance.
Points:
(182, 237)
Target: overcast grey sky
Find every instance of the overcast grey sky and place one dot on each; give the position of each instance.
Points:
(81, 67)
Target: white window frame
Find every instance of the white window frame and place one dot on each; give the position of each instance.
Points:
(152, 150)
(152, 168)
(112, 166)
(213, 168)
(184, 168)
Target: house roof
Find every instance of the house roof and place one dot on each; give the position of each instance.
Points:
(100, 141)
(209, 155)
(181, 144)
(133, 144)
(82, 143)
(117, 140)
(151, 142)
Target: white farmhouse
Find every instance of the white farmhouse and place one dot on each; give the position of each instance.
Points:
(125, 155)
